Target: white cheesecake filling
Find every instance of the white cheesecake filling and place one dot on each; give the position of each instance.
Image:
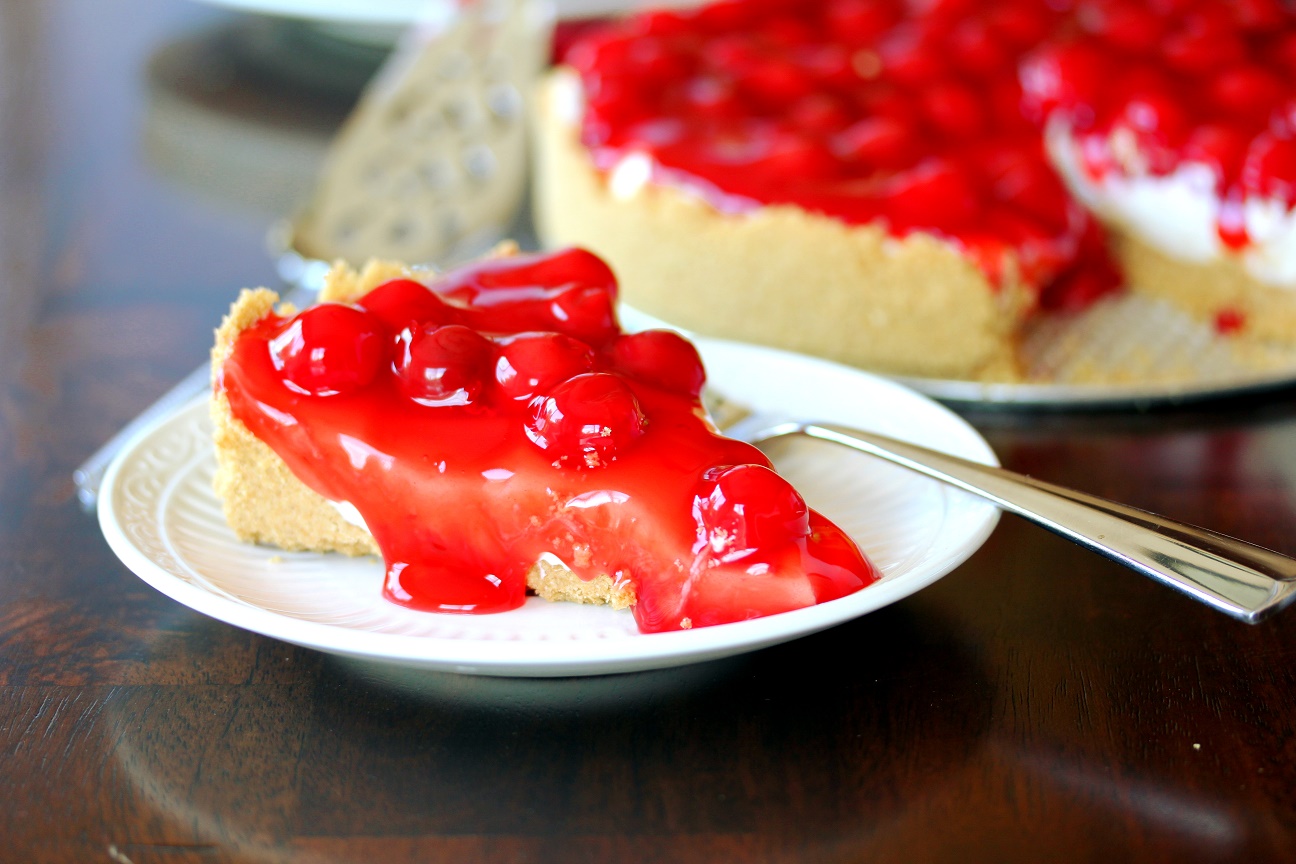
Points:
(1178, 213)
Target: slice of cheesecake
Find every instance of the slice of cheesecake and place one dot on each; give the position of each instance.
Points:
(493, 429)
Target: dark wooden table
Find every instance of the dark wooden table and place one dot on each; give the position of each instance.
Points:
(1038, 704)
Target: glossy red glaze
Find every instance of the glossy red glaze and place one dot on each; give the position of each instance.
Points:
(862, 110)
(507, 417)
(1145, 87)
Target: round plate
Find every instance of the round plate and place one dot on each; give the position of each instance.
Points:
(159, 514)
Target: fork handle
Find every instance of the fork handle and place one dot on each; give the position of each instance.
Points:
(1238, 578)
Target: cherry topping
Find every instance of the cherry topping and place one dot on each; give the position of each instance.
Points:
(1127, 26)
(953, 109)
(534, 363)
(859, 22)
(1220, 146)
(442, 364)
(403, 301)
(470, 454)
(1270, 167)
(1246, 90)
(935, 190)
(662, 358)
(1204, 41)
(881, 142)
(327, 350)
(749, 507)
(890, 112)
(588, 421)
(585, 313)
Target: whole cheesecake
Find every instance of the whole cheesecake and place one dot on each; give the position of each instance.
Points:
(1176, 125)
(903, 186)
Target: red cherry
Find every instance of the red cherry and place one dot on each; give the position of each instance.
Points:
(1283, 51)
(786, 32)
(1154, 112)
(401, 301)
(585, 313)
(1270, 168)
(953, 109)
(1204, 42)
(881, 99)
(1260, 16)
(726, 16)
(1062, 77)
(665, 22)
(732, 52)
(831, 66)
(935, 194)
(775, 82)
(1003, 97)
(1282, 122)
(661, 358)
(1129, 27)
(713, 96)
(328, 349)
(655, 60)
(442, 365)
(534, 363)
(1246, 91)
(820, 113)
(1221, 147)
(907, 59)
(573, 266)
(858, 22)
(1020, 176)
(879, 142)
(610, 103)
(742, 508)
(790, 155)
(1022, 24)
(587, 421)
(1079, 287)
(975, 47)
(615, 53)
(570, 292)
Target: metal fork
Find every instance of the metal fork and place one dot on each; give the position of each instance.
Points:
(1238, 578)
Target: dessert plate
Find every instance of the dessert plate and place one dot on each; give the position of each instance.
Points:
(159, 514)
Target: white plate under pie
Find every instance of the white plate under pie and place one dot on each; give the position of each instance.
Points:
(159, 514)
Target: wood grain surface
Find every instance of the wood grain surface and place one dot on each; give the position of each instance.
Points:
(1039, 704)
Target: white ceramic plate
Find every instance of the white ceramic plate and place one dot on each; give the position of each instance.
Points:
(160, 516)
